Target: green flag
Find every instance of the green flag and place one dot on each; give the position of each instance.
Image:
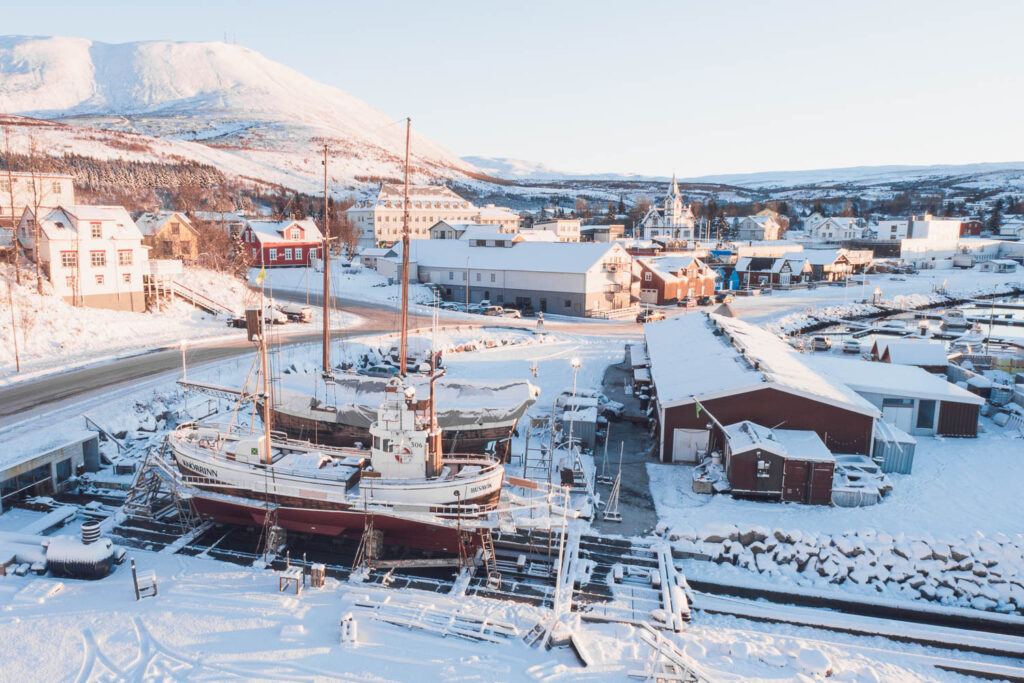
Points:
(699, 407)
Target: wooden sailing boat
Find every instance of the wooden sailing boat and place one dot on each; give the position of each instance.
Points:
(416, 496)
(469, 426)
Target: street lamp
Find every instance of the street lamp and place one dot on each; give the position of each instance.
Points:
(575, 362)
(184, 368)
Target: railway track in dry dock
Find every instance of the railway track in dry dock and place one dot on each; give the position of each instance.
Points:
(619, 567)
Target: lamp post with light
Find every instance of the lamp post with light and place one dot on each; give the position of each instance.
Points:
(184, 368)
(575, 362)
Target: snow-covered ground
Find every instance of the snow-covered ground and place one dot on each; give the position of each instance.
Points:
(53, 335)
(910, 291)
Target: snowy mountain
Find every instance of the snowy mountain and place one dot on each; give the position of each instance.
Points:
(521, 169)
(980, 175)
(226, 97)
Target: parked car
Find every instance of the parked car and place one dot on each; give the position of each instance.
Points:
(450, 306)
(820, 343)
(511, 313)
(493, 310)
(704, 301)
(385, 371)
(475, 308)
(649, 316)
(298, 313)
(724, 298)
(851, 346)
(687, 302)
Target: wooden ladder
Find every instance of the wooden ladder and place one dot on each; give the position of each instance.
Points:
(490, 560)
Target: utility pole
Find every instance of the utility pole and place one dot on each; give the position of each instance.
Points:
(14, 329)
(326, 342)
(405, 255)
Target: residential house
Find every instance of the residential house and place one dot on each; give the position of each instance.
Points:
(756, 228)
(92, 255)
(672, 220)
(368, 257)
(1013, 229)
(567, 229)
(828, 265)
(565, 278)
(665, 279)
(891, 229)
(835, 229)
(765, 271)
(283, 243)
(169, 235)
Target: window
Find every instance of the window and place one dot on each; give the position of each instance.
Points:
(288, 254)
(925, 414)
(763, 469)
(492, 277)
(254, 252)
(175, 229)
(478, 277)
(568, 303)
(70, 281)
(273, 254)
(69, 259)
(298, 253)
(126, 278)
(96, 229)
(5, 186)
(55, 187)
(647, 277)
(99, 278)
(124, 257)
(98, 258)
(63, 468)
(451, 274)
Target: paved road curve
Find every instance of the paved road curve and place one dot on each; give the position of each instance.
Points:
(31, 397)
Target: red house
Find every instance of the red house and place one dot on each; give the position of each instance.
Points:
(970, 227)
(664, 279)
(283, 243)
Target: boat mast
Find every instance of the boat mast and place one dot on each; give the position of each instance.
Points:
(267, 458)
(327, 278)
(405, 257)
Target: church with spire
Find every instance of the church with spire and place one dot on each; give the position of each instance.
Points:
(673, 220)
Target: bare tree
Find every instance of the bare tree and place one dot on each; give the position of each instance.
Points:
(38, 197)
(10, 196)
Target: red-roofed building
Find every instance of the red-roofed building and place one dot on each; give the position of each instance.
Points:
(282, 243)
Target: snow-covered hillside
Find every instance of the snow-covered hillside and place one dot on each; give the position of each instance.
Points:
(521, 169)
(227, 97)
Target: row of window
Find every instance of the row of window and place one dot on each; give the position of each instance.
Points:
(5, 186)
(99, 278)
(290, 253)
(451, 276)
(98, 259)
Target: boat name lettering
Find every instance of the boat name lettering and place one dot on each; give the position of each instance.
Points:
(208, 471)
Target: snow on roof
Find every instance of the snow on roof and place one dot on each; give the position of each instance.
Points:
(821, 257)
(789, 443)
(867, 376)
(494, 213)
(151, 222)
(62, 222)
(537, 236)
(638, 356)
(419, 193)
(377, 251)
(481, 231)
(273, 231)
(890, 433)
(547, 257)
(70, 550)
(670, 265)
(722, 364)
(23, 445)
(916, 352)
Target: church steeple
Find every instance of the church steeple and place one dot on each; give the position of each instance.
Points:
(674, 190)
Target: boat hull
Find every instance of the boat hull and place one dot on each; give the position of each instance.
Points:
(331, 522)
(329, 433)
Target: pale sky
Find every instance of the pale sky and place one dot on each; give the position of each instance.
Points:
(633, 87)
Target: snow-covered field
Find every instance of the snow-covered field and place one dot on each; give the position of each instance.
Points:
(913, 290)
(347, 282)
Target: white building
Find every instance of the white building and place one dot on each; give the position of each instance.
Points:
(565, 278)
(48, 190)
(380, 220)
(565, 229)
(898, 229)
(92, 255)
(756, 228)
(672, 220)
(932, 242)
(835, 229)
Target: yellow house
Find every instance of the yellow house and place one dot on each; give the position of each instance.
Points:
(170, 235)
